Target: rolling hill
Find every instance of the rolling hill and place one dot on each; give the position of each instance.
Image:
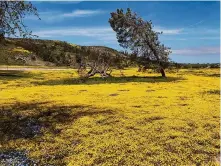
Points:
(44, 52)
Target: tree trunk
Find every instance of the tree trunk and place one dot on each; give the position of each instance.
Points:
(91, 73)
(2, 38)
(162, 72)
(139, 69)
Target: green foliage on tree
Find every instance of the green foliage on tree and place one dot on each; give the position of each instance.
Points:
(138, 35)
(12, 14)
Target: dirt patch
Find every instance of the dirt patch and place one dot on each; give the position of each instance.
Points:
(123, 90)
(17, 158)
(136, 106)
(183, 104)
(217, 159)
(217, 92)
(150, 90)
(182, 97)
(151, 119)
(114, 94)
(83, 90)
(162, 97)
(29, 69)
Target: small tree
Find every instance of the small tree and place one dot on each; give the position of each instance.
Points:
(12, 14)
(138, 35)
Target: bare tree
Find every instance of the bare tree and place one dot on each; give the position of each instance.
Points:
(12, 14)
(97, 61)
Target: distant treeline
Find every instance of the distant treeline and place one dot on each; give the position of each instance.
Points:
(194, 65)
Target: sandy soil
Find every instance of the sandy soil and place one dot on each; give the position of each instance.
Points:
(28, 68)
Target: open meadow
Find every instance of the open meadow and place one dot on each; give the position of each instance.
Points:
(55, 118)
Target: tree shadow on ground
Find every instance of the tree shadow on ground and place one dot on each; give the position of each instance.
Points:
(26, 120)
(213, 92)
(38, 122)
(99, 80)
(14, 74)
(196, 72)
(213, 75)
(207, 75)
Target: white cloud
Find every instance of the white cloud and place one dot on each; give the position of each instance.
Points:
(55, 16)
(82, 13)
(191, 30)
(168, 31)
(190, 38)
(197, 51)
(105, 34)
(197, 23)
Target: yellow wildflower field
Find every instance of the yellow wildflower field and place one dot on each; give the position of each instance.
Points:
(140, 119)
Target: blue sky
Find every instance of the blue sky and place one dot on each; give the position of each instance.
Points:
(191, 29)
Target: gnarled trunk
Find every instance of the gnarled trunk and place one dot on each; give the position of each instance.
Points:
(101, 69)
(162, 72)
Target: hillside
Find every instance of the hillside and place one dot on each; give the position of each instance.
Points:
(44, 52)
